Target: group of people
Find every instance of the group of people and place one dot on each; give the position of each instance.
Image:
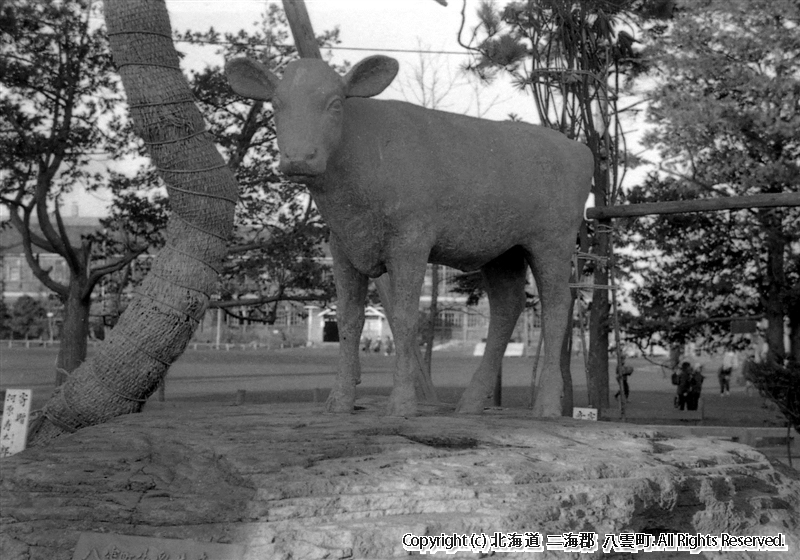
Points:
(690, 380)
(376, 344)
(690, 384)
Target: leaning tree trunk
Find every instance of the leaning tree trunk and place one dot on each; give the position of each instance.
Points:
(172, 300)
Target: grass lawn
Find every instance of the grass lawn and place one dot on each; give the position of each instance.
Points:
(303, 374)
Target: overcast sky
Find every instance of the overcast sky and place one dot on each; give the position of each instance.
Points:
(381, 27)
(367, 27)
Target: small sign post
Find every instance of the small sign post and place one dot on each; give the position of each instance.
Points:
(14, 427)
(584, 413)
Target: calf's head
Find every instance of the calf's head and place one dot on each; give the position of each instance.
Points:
(308, 104)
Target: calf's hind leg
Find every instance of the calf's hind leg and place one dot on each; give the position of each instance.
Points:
(505, 286)
(551, 266)
(351, 295)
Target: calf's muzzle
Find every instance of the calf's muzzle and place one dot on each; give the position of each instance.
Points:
(303, 162)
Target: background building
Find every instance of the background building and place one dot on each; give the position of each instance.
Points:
(295, 324)
(17, 278)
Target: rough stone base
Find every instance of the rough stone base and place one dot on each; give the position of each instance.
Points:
(289, 481)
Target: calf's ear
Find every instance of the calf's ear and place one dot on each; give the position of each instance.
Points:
(251, 79)
(370, 76)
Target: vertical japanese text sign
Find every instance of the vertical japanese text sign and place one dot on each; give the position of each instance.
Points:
(14, 428)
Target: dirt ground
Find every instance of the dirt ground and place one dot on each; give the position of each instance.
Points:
(305, 375)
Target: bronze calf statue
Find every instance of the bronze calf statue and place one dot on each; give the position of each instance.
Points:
(401, 186)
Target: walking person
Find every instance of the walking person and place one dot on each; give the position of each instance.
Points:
(745, 375)
(684, 384)
(625, 371)
(695, 388)
(729, 361)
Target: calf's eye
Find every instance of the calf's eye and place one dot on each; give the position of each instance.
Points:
(335, 105)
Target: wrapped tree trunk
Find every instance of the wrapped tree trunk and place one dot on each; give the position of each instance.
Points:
(158, 324)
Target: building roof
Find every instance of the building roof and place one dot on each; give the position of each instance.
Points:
(76, 228)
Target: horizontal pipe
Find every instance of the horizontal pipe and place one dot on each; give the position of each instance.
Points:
(702, 205)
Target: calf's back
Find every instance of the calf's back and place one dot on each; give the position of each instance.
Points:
(472, 188)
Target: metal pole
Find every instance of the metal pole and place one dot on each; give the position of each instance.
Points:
(219, 326)
(617, 336)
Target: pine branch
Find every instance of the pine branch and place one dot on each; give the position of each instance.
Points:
(70, 253)
(114, 266)
(23, 227)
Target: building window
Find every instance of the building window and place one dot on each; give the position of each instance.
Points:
(14, 270)
(446, 275)
(448, 319)
(281, 317)
(288, 315)
(475, 320)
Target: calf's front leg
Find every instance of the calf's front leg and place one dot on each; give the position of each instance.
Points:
(351, 294)
(406, 274)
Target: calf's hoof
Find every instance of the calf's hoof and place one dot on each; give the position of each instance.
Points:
(339, 404)
(402, 403)
(547, 403)
(546, 411)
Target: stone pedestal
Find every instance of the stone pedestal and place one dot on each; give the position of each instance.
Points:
(289, 481)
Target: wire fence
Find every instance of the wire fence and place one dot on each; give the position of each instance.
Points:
(225, 346)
